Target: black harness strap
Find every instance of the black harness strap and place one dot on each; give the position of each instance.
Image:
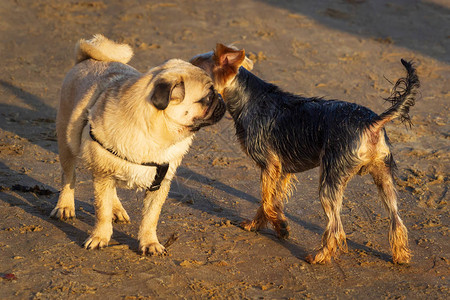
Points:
(161, 169)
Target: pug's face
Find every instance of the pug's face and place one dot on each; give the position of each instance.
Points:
(186, 96)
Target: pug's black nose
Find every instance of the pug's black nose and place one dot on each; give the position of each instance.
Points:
(217, 96)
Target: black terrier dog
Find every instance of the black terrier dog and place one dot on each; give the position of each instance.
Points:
(285, 134)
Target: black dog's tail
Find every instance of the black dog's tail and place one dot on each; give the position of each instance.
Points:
(403, 96)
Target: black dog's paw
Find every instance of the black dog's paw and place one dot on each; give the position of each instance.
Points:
(282, 229)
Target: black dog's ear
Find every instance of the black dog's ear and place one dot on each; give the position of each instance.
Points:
(164, 91)
(227, 57)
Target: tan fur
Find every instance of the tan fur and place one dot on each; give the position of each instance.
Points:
(102, 49)
(276, 186)
(102, 93)
(211, 63)
(334, 237)
(398, 234)
(247, 63)
(372, 154)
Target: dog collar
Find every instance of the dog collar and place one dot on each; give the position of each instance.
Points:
(161, 169)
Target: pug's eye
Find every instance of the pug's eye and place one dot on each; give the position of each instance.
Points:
(201, 101)
(208, 98)
(177, 93)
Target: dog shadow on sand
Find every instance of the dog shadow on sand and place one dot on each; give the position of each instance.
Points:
(295, 249)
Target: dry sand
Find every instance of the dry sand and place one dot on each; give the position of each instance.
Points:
(336, 49)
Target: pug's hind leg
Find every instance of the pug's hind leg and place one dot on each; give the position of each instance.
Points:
(65, 208)
(153, 202)
(104, 192)
(120, 215)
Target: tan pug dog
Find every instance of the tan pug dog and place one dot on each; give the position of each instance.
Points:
(129, 129)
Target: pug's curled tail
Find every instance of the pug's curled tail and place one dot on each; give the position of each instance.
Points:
(102, 49)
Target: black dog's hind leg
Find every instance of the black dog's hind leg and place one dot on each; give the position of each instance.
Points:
(381, 172)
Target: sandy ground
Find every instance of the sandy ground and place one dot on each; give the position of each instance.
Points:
(336, 49)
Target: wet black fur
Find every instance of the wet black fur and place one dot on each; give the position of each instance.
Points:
(303, 131)
(403, 94)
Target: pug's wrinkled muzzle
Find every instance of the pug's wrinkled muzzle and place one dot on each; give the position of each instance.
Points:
(214, 113)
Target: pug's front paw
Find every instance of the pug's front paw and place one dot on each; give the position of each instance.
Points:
(100, 237)
(63, 213)
(95, 242)
(154, 248)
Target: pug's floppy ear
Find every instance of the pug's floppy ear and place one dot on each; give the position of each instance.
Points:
(164, 91)
(161, 94)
